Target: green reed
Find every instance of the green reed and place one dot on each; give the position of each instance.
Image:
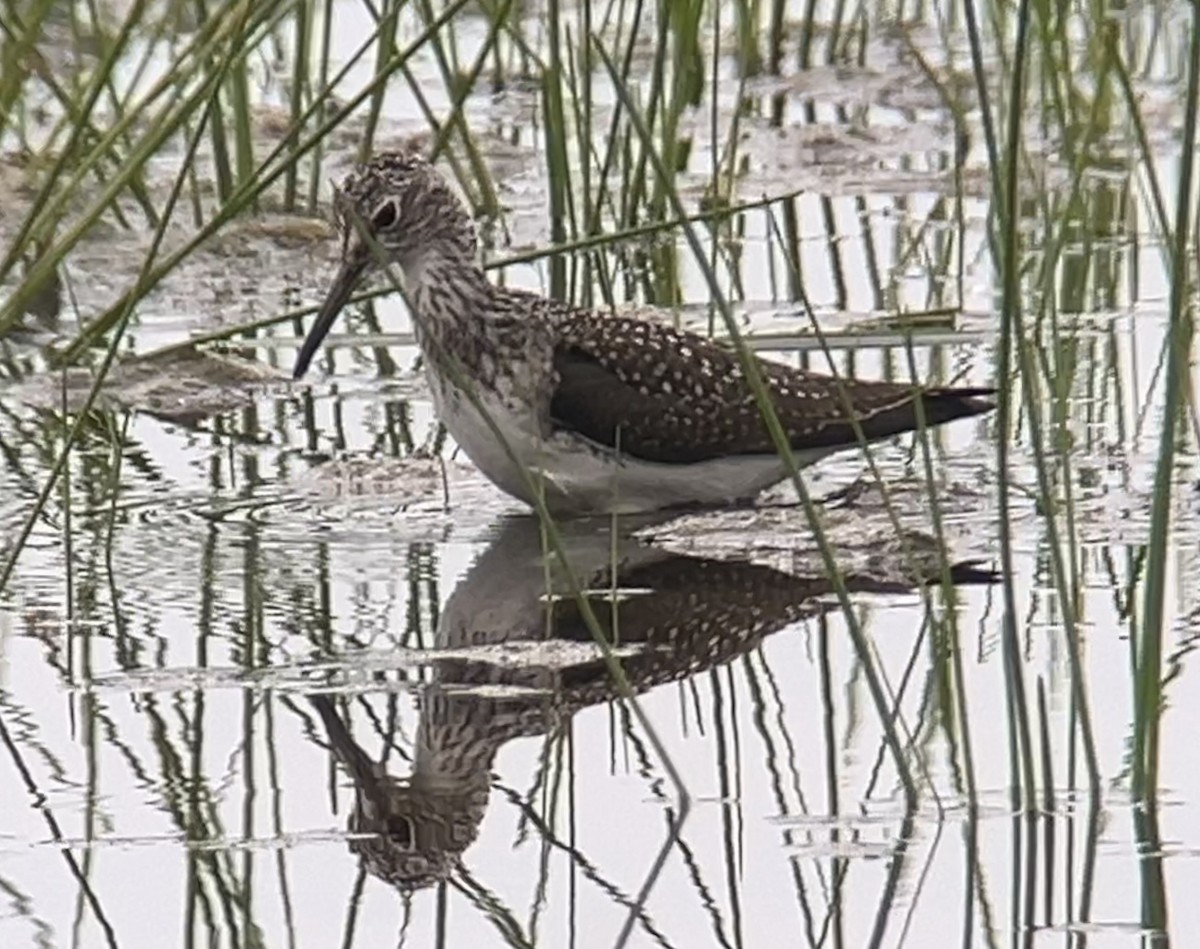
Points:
(315, 178)
(558, 164)
(21, 32)
(272, 168)
(303, 57)
(464, 87)
(775, 429)
(1004, 171)
(121, 323)
(81, 127)
(1053, 464)
(447, 60)
(1148, 676)
(385, 39)
(231, 33)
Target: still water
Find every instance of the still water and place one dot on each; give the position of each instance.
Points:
(281, 669)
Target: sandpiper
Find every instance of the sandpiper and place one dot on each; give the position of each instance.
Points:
(596, 412)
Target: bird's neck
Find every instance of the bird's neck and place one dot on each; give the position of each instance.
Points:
(457, 321)
(457, 741)
(446, 284)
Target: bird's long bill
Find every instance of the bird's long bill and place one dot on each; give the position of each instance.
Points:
(347, 278)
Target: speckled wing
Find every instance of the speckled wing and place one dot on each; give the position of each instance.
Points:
(666, 396)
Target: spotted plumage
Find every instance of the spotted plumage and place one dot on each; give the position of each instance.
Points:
(673, 616)
(606, 413)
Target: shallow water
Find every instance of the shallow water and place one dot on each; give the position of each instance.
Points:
(276, 594)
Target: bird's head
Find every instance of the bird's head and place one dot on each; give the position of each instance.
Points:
(394, 209)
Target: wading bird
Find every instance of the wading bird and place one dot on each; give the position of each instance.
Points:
(598, 413)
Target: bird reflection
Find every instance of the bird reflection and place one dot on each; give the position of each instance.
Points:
(670, 615)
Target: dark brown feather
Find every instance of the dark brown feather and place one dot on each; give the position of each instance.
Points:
(661, 395)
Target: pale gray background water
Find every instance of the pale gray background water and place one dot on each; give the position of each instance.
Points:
(171, 706)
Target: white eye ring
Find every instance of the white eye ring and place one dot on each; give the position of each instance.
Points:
(386, 215)
(394, 825)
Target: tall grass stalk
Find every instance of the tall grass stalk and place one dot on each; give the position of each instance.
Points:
(558, 164)
(222, 165)
(238, 84)
(314, 175)
(18, 51)
(593, 243)
(922, 431)
(446, 58)
(162, 126)
(1149, 176)
(465, 87)
(950, 623)
(83, 415)
(779, 439)
(1148, 679)
(80, 127)
(1005, 174)
(67, 534)
(1064, 570)
(301, 86)
(633, 194)
(686, 91)
(72, 120)
(385, 40)
(601, 196)
(269, 172)
(583, 103)
(747, 14)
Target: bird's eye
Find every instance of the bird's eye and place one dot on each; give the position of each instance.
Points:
(401, 830)
(385, 216)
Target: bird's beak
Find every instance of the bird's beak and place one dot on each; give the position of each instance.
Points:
(348, 276)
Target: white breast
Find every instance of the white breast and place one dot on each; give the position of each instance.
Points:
(499, 459)
(578, 476)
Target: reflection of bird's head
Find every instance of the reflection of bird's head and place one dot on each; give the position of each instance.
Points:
(412, 838)
(409, 833)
